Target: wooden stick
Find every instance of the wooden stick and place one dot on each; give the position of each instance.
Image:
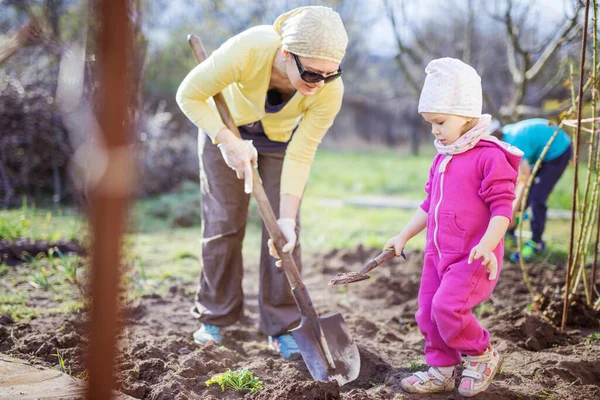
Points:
(109, 197)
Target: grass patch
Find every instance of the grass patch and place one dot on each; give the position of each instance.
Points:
(593, 338)
(62, 366)
(337, 174)
(40, 224)
(416, 366)
(17, 309)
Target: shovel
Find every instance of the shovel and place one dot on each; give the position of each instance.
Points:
(351, 277)
(325, 343)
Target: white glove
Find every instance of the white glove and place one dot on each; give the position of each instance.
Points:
(288, 228)
(240, 156)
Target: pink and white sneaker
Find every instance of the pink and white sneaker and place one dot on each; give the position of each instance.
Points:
(432, 381)
(479, 372)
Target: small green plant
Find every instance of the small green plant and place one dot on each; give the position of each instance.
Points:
(239, 380)
(594, 337)
(139, 262)
(544, 394)
(40, 275)
(83, 375)
(3, 269)
(415, 366)
(69, 265)
(482, 310)
(61, 363)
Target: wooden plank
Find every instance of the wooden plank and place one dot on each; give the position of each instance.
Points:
(21, 380)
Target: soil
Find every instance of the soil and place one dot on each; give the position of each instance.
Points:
(15, 252)
(159, 360)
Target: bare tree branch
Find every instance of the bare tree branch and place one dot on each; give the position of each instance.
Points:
(402, 49)
(469, 32)
(19, 39)
(555, 44)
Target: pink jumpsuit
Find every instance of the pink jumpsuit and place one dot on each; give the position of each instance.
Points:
(476, 186)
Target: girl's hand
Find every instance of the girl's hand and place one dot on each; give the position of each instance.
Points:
(489, 259)
(397, 242)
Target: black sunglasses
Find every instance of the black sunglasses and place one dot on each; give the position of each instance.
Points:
(314, 77)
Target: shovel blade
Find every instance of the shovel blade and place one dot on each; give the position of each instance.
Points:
(343, 350)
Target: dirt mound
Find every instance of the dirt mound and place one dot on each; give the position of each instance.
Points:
(301, 390)
(550, 305)
(525, 330)
(14, 252)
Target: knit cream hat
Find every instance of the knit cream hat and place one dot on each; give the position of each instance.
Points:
(451, 87)
(313, 32)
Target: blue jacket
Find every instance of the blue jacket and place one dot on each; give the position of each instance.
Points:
(531, 135)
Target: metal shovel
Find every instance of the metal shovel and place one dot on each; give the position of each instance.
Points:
(351, 277)
(325, 343)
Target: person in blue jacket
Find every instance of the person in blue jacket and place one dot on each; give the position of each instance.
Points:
(531, 136)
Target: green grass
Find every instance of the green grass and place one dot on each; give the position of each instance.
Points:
(62, 366)
(339, 174)
(336, 174)
(54, 277)
(416, 366)
(594, 337)
(40, 224)
(15, 305)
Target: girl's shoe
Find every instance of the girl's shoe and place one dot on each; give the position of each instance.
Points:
(208, 333)
(479, 372)
(432, 381)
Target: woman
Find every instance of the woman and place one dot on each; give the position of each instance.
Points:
(281, 85)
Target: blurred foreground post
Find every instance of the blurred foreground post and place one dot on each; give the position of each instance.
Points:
(109, 196)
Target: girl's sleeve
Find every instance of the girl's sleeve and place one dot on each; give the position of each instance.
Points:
(300, 153)
(426, 203)
(218, 71)
(498, 183)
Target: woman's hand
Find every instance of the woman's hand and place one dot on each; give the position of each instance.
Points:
(240, 155)
(288, 228)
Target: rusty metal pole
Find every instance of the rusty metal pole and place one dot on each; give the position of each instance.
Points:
(109, 197)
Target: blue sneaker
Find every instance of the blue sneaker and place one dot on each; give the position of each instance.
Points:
(284, 344)
(208, 333)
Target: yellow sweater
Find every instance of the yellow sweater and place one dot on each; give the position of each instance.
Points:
(241, 70)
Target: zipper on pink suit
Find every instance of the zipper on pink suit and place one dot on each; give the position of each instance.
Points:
(441, 170)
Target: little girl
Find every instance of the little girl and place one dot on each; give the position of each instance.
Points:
(466, 212)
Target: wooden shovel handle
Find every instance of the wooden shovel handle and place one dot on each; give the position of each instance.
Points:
(380, 259)
(266, 212)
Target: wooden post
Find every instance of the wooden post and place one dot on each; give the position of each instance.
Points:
(109, 197)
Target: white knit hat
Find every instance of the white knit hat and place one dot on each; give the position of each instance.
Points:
(451, 87)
